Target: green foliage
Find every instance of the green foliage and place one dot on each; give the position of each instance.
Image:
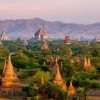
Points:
(67, 70)
(28, 62)
(84, 79)
(38, 76)
(29, 91)
(53, 91)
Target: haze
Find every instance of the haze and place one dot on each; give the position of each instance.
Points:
(69, 11)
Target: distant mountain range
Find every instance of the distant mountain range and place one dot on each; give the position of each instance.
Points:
(27, 27)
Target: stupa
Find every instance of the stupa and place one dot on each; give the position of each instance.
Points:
(87, 63)
(77, 40)
(71, 89)
(9, 80)
(25, 42)
(58, 79)
(45, 46)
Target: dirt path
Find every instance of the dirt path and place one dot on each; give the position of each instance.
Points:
(93, 98)
(4, 99)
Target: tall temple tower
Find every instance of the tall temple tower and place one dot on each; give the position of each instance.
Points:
(4, 36)
(71, 90)
(41, 34)
(67, 40)
(58, 79)
(10, 82)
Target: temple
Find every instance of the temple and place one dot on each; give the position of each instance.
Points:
(97, 38)
(67, 40)
(45, 46)
(4, 36)
(77, 40)
(25, 42)
(9, 80)
(87, 63)
(41, 34)
(71, 89)
(58, 79)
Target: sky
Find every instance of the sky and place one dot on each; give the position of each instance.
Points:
(68, 11)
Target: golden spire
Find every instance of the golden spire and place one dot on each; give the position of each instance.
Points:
(56, 64)
(9, 78)
(58, 79)
(72, 61)
(88, 62)
(44, 63)
(9, 69)
(42, 81)
(58, 75)
(45, 46)
(85, 62)
(71, 89)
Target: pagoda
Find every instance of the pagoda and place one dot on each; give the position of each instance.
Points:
(77, 40)
(42, 81)
(41, 34)
(87, 63)
(25, 42)
(9, 80)
(67, 40)
(58, 79)
(71, 90)
(4, 36)
(97, 38)
(45, 46)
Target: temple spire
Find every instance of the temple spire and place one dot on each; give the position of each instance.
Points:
(25, 42)
(85, 62)
(42, 80)
(58, 79)
(9, 79)
(71, 89)
(45, 46)
(89, 63)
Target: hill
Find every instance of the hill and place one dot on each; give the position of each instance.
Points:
(56, 29)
